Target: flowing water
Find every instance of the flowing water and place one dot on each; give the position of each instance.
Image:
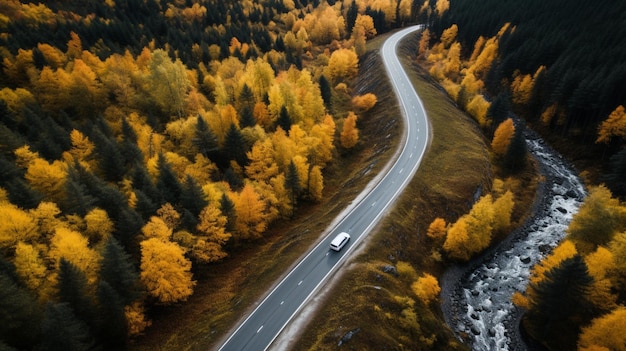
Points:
(484, 311)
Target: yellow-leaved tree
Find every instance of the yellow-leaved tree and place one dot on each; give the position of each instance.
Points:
(343, 66)
(601, 267)
(605, 332)
(165, 271)
(212, 226)
(74, 248)
(599, 218)
(437, 228)
(502, 137)
(426, 288)
(471, 233)
(30, 266)
(16, 225)
(251, 220)
(613, 127)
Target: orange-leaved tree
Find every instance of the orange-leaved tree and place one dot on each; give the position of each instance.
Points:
(613, 127)
(349, 136)
(426, 288)
(502, 137)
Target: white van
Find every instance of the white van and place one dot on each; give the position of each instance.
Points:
(339, 241)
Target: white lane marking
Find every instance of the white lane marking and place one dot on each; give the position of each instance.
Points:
(282, 302)
(401, 171)
(300, 283)
(374, 203)
(259, 329)
(411, 155)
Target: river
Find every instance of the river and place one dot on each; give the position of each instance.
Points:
(476, 297)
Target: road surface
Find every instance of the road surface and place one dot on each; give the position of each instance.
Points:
(262, 326)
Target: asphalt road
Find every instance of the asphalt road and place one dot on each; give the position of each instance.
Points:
(262, 326)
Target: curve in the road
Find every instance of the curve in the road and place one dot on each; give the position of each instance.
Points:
(269, 318)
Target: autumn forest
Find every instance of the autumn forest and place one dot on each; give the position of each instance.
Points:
(141, 139)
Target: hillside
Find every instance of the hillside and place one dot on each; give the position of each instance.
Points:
(144, 143)
(574, 52)
(158, 157)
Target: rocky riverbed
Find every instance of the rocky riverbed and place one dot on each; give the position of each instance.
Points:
(476, 297)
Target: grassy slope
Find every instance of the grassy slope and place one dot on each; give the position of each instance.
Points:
(373, 302)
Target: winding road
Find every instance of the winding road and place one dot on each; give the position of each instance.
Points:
(269, 318)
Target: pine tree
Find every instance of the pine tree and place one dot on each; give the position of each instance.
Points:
(515, 158)
(247, 118)
(228, 209)
(19, 311)
(112, 330)
(292, 183)
(498, 111)
(235, 146)
(167, 182)
(118, 271)
(351, 15)
(205, 141)
(560, 307)
(111, 161)
(616, 177)
(325, 91)
(284, 121)
(62, 331)
(73, 290)
(192, 197)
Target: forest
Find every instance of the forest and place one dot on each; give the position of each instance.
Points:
(559, 66)
(141, 139)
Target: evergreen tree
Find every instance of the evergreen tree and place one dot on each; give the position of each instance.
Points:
(167, 182)
(325, 91)
(235, 146)
(128, 132)
(228, 209)
(143, 182)
(351, 16)
(110, 159)
(515, 158)
(292, 183)
(62, 331)
(118, 271)
(498, 111)
(284, 120)
(73, 290)
(19, 312)
(204, 140)
(77, 200)
(234, 181)
(113, 327)
(561, 306)
(144, 206)
(247, 118)
(22, 194)
(279, 44)
(192, 197)
(246, 98)
(616, 177)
